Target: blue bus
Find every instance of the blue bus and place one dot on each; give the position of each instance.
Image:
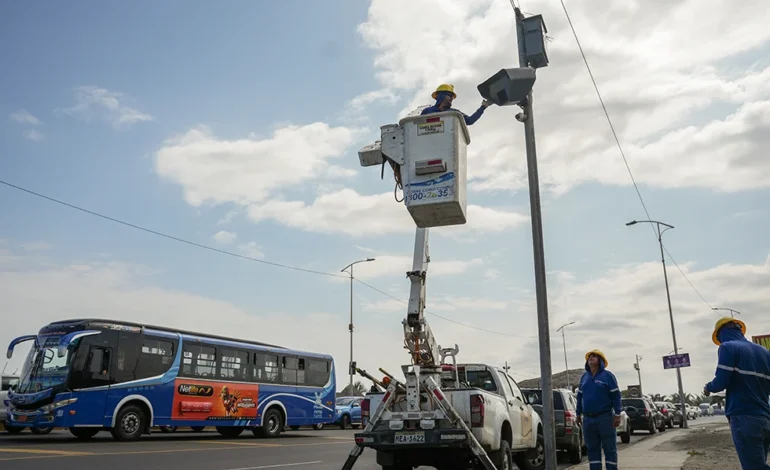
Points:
(90, 375)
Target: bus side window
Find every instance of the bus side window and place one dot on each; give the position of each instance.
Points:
(289, 370)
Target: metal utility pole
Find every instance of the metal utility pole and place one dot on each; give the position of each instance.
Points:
(506, 368)
(564, 341)
(639, 373)
(660, 232)
(732, 312)
(541, 290)
(351, 372)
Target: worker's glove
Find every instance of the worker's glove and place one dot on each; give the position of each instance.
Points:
(486, 103)
(706, 391)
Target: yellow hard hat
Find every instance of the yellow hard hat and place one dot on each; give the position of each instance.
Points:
(722, 322)
(600, 354)
(445, 87)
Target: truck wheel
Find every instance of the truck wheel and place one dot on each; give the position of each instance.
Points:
(502, 457)
(129, 424)
(537, 463)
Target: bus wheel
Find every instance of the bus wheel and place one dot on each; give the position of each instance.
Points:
(273, 420)
(84, 433)
(129, 424)
(41, 430)
(229, 432)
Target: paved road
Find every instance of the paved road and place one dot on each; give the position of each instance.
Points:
(319, 450)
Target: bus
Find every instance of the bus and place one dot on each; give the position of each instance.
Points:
(90, 375)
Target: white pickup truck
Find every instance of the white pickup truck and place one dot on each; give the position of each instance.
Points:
(491, 405)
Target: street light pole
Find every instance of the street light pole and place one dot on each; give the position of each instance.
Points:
(564, 341)
(541, 291)
(668, 298)
(350, 325)
(639, 373)
(732, 312)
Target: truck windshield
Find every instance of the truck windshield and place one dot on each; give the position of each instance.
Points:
(43, 368)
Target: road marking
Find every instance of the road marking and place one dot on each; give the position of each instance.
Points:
(279, 465)
(236, 443)
(61, 454)
(21, 450)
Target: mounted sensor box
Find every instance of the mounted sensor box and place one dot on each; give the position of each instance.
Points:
(434, 171)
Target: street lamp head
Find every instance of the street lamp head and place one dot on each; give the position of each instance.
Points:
(369, 259)
(633, 222)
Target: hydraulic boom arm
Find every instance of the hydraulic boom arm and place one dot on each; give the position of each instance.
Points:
(418, 337)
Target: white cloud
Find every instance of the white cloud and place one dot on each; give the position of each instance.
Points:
(224, 237)
(216, 171)
(656, 95)
(23, 116)
(92, 101)
(348, 212)
(37, 246)
(395, 267)
(252, 250)
(33, 135)
(622, 312)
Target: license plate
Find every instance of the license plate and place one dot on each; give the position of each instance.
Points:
(409, 438)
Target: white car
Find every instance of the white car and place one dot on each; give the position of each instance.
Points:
(624, 428)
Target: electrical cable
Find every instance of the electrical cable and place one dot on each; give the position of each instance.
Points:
(620, 146)
(230, 253)
(167, 236)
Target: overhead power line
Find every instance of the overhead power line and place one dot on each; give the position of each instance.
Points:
(167, 236)
(620, 146)
(230, 253)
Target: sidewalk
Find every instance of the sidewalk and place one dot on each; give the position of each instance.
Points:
(658, 452)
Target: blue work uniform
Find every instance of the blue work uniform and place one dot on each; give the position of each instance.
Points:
(469, 120)
(744, 370)
(598, 400)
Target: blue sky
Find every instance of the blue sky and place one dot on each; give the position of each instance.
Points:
(174, 115)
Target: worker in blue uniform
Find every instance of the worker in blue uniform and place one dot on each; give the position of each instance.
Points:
(444, 95)
(743, 369)
(598, 410)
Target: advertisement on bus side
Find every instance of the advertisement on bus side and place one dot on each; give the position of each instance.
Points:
(202, 400)
(762, 340)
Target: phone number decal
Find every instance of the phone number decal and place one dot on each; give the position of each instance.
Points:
(430, 193)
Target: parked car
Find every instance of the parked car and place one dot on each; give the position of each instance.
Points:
(672, 414)
(569, 435)
(348, 412)
(643, 415)
(707, 409)
(692, 412)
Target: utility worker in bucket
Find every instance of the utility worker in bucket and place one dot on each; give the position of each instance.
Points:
(743, 369)
(444, 95)
(598, 399)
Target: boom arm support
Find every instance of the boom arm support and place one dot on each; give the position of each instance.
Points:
(418, 337)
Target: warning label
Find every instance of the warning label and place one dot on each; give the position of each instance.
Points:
(430, 128)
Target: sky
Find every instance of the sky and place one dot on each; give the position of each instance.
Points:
(236, 127)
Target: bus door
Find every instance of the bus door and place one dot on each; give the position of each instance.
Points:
(90, 379)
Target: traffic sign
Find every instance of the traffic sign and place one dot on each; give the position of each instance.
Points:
(634, 391)
(676, 361)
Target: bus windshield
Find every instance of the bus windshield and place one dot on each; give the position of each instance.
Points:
(43, 368)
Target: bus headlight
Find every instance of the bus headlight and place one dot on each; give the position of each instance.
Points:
(58, 404)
